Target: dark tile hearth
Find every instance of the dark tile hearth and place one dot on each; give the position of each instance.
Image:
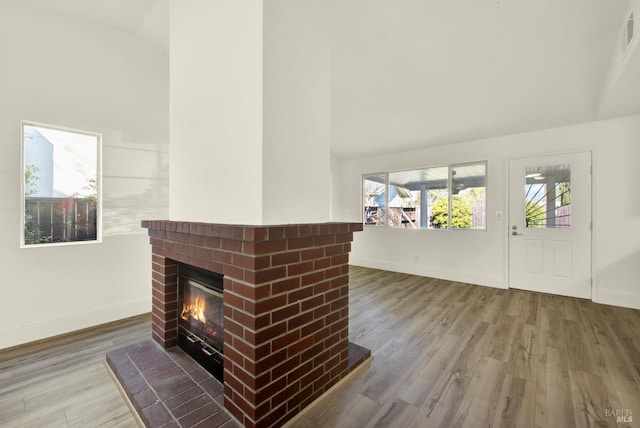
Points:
(169, 389)
(357, 355)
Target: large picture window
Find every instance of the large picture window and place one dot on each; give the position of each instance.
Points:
(61, 185)
(443, 197)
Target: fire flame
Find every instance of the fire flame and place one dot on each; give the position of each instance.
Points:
(195, 310)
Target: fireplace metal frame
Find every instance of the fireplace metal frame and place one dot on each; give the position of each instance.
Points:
(210, 358)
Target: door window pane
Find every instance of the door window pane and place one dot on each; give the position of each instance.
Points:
(548, 197)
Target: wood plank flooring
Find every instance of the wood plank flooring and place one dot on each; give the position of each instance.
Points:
(445, 354)
(451, 354)
(63, 382)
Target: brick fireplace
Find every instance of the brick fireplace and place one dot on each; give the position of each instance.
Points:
(285, 292)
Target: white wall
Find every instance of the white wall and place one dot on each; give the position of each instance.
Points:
(61, 72)
(480, 256)
(621, 90)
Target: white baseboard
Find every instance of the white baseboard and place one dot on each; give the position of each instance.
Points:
(616, 299)
(599, 296)
(415, 269)
(43, 330)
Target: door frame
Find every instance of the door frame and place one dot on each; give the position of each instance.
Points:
(507, 218)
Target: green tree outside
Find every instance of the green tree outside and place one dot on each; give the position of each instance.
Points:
(31, 233)
(534, 214)
(461, 214)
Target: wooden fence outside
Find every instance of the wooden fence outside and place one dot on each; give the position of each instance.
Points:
(61, 219)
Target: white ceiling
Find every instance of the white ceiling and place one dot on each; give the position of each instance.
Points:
(413, 73)
(147, 18)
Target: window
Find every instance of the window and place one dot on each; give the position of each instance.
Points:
(374, 195)
(61, 185)
(418, 198)
(468, 196)
(444, 197)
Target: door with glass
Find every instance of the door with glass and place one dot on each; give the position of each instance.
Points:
(550, 224)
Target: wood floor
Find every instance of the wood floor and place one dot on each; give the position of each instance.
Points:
(445, 354)
(63, 382)
(450, 354)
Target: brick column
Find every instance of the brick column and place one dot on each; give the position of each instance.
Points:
(164, 299)
(285, 302)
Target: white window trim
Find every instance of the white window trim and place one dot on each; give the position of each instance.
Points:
(449, 194)
(22, 227)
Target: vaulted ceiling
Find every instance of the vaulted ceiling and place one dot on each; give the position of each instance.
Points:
(148, 19)
(414, 73)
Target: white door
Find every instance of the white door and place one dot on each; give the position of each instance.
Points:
(550, 224)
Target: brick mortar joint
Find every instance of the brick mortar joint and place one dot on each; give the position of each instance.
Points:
(243, 312)
(298, 314)
(286, 277)
(165, 311)
(330, 381)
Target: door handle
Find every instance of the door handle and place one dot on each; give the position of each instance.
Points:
(514, 233)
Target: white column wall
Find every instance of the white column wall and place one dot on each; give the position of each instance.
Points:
(59, 71)
(296, 162)
(216, 111)
(250, 124)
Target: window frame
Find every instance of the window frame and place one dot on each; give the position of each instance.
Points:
(450, 169)
(386, 198)
(486, 186)
(427, 191)
(98, 137)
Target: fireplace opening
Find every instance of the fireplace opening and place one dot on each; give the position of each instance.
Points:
(200, 317)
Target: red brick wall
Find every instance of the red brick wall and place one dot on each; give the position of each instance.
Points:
(286, 307)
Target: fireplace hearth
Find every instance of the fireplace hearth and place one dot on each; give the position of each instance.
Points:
(201, 317)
